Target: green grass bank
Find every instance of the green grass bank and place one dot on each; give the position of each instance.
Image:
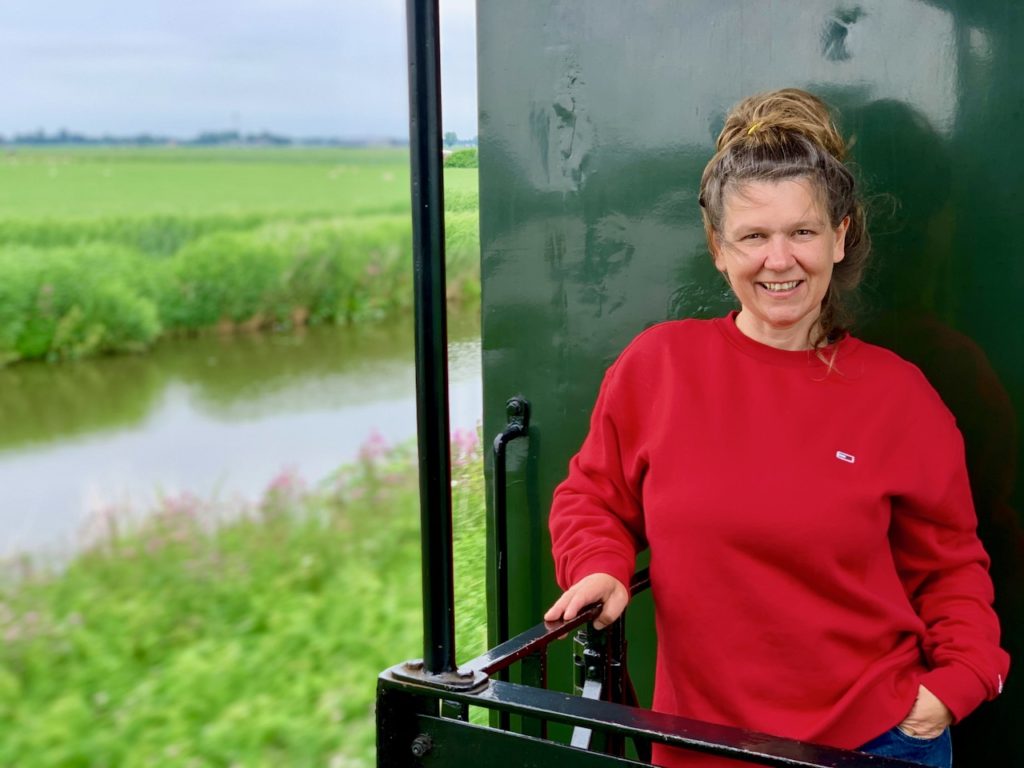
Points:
(105, 251)
(212, 636)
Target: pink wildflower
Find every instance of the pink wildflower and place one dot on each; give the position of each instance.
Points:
(288, 481)
(373, 448)
(465, 444)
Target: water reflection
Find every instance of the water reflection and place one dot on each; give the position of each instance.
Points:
(214, 416)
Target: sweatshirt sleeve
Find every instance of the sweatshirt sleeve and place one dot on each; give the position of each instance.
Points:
(942, 564)
(596, 519)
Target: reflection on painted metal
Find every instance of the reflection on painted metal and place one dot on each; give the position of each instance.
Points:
(595, 123)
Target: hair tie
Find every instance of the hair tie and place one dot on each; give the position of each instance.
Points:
(753, 127)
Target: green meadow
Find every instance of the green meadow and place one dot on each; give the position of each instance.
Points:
(106, 250)
(53, 184)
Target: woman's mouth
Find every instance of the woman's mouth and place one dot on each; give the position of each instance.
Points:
(789, 285)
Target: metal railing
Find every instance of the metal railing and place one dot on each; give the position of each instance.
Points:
(423, 719)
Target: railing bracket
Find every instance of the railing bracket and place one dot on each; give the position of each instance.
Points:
(464, 680)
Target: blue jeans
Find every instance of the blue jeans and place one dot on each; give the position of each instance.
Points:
(937, 752)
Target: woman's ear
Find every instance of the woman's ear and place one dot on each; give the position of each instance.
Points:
(715, 246)
(839, 251)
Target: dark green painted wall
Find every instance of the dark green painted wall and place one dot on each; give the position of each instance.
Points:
(596, 118)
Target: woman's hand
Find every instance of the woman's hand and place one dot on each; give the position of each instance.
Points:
(928, 718)
(597, 587)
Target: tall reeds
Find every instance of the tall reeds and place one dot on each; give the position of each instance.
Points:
(71, 291)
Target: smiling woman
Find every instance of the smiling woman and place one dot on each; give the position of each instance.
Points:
(813, 557)
(778, 176)
(777, 250)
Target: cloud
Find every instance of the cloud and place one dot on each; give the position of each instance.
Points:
(304, 67)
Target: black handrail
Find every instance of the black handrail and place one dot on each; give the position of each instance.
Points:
(749, 747)
(517, 411)
(540, 636)
(432, 422)
(534, 639)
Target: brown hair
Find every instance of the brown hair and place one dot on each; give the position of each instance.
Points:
(789, 134)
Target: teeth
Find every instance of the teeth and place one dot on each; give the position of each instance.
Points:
(778, 287)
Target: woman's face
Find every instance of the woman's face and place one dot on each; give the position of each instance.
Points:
(777, 249)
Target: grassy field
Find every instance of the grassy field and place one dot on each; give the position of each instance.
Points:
(233, 637)
(90, 183)
(107, 250)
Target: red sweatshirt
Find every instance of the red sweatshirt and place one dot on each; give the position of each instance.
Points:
(812, 535)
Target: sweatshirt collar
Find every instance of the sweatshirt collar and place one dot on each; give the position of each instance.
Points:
(802, 358)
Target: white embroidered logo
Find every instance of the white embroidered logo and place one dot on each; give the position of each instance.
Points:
(849, 458)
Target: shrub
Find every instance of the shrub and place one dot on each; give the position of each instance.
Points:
(224, 277)
(347, 270)
(63, 303)
(462, 158)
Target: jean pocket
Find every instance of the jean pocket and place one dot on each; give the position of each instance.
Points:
(935, 753)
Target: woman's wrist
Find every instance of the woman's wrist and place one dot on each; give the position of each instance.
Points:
(928, 718)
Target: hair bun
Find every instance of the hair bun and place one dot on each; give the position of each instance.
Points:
(769, 118)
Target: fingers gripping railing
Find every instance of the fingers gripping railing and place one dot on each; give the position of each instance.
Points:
(599, 659)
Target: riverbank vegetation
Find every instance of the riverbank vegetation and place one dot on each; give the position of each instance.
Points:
(211, 636)
(462, 158)
(106, 251)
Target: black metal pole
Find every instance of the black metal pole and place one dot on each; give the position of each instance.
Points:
(431, 335)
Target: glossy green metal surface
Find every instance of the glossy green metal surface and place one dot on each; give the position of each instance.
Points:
(596, 118)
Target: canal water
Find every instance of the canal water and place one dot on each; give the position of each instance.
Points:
(218, 417)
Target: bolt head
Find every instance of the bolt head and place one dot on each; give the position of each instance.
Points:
(421, 745)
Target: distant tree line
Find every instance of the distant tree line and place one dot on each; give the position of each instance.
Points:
(204, 139)
(452, 140)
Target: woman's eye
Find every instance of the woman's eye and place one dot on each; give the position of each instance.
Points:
(753, 236)
(805, 232)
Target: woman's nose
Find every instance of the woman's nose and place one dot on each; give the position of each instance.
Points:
(779, 256)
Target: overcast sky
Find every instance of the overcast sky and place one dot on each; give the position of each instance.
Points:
(178, 67)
